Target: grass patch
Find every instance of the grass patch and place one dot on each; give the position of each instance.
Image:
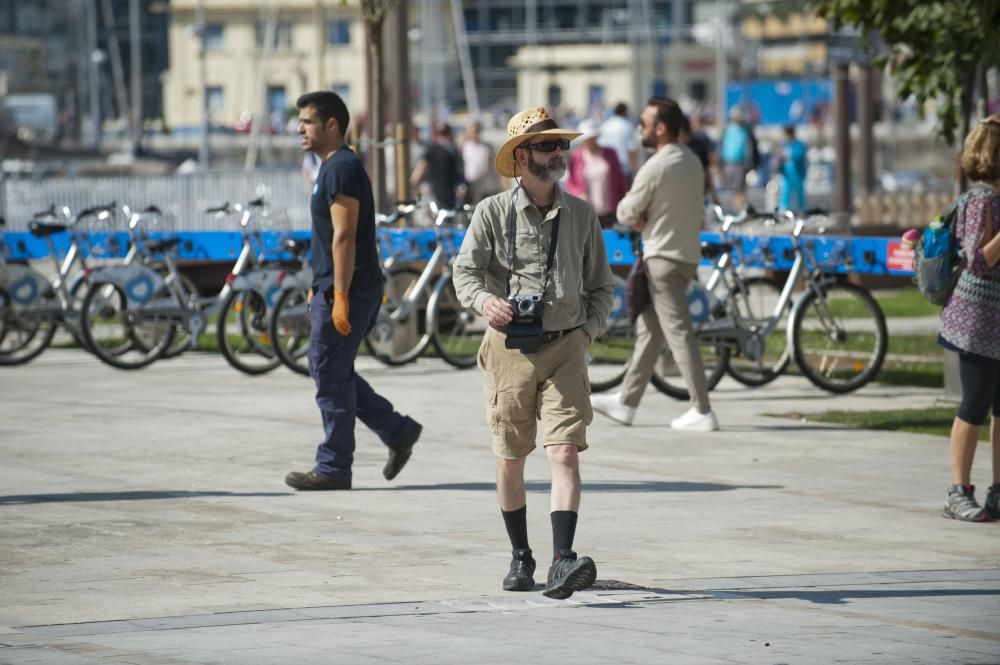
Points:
(926, 376)
(936, 420)
(906, 302)
(925, 345)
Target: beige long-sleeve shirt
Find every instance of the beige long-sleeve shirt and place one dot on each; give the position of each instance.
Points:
(669, 192)
(579, 291)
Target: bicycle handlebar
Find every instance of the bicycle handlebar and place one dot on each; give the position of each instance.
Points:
(94, 210)
(219, 210)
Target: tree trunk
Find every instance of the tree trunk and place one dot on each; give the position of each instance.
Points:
(376, 122)
(966, 114)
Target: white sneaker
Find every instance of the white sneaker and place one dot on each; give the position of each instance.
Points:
(612, 407)
(692, 421)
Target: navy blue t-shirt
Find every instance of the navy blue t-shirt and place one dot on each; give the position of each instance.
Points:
(343, 173)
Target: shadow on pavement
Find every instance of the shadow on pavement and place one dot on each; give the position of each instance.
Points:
(621, 486)
(842, 597)
(73, 497)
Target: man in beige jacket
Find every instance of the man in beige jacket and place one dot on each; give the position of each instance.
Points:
(666, 205)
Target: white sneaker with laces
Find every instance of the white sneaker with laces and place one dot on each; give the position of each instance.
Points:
(612, 407)
(692, 421)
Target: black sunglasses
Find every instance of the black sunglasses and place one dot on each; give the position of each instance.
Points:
(548, 146)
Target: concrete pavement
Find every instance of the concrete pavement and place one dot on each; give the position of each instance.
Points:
(143, 519)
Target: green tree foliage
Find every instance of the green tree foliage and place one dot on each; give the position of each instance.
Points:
(936, 49)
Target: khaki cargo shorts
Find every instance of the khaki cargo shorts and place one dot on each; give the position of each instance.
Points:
(550, 386)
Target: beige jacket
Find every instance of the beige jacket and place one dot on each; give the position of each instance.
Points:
(669, 190)
(579, 291)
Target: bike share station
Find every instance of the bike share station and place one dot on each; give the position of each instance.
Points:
(885, 256)
(205, 250)
(763, 251)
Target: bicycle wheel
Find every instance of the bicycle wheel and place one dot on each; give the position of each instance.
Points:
(397, 340)
(242, 333)
(26, 331)
(109, 323)
(667, 376)
(457, 332)
(182, 338)
(755, 299)
(839, 337)
(610, 355)
(290, 328)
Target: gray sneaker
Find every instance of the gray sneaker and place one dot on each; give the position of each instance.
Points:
(960, 504)
(992, 505)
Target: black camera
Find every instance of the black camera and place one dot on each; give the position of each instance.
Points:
(524, 332)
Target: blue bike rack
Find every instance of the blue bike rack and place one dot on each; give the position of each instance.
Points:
(841, 254)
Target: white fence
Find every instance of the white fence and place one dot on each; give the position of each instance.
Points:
(182, 198)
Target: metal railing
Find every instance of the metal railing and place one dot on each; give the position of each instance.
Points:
(183, 198)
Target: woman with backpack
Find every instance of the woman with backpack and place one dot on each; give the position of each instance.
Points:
(970, 323)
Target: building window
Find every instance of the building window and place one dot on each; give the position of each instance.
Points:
(338, 32)
(554, 97)
(282, 34)
(509, 18)
(213, 36)
(471, 20)
(344, 91)
(216, 100)
(595, 96)
(565, 17)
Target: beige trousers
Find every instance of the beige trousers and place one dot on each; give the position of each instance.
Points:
(669, 319)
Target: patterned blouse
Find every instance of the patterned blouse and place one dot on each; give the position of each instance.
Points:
(970, 320)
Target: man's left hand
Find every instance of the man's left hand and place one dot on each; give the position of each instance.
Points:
(339, 315)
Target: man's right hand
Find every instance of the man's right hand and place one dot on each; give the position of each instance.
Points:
(498, 311)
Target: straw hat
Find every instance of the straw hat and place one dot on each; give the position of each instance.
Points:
(523, 126)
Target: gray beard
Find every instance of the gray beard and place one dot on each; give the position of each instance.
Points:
(550, 172)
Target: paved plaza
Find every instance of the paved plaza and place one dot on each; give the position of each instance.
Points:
(144, 520)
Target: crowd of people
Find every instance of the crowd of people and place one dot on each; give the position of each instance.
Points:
(533, 264)
(454, 167)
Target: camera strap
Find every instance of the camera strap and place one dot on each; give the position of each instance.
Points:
(512, 244)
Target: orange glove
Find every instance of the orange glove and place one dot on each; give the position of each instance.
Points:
(339, 315)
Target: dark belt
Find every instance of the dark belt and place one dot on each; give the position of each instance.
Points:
(547, 335)
(552, 335)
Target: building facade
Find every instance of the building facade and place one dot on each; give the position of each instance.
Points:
(499, 30)
(257, 61)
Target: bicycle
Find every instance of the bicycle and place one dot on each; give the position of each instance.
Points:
(610, 354)
(836, 330)
(413, 316)
(151, 308)
(32, 306)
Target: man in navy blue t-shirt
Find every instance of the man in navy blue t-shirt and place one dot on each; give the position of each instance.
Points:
(346, 294)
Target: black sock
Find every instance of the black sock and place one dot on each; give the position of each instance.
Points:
(516, 522)
(563, 529)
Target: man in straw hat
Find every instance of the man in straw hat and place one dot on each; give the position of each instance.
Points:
(539, 250)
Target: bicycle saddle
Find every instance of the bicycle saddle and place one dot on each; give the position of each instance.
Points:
(712, 250)
(47, 215)
(41, 229)
(296, 246)
(162, 244)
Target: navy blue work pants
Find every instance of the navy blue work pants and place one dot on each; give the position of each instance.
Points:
(340, 393)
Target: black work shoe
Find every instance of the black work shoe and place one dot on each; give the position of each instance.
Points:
(569, 574)
(315, 481)
(992, 505)
(522, 570)
(400, 454)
